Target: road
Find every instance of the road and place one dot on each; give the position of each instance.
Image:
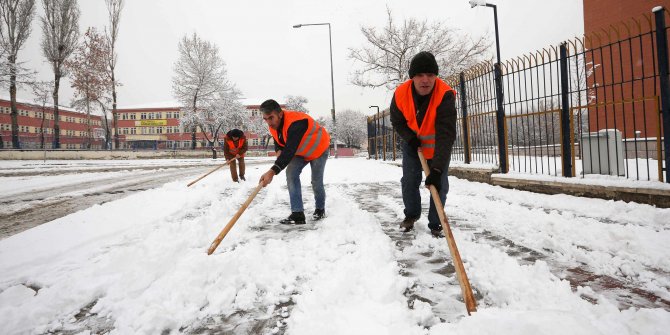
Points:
(30, 207)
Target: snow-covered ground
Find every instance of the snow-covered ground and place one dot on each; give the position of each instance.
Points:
(539, 264)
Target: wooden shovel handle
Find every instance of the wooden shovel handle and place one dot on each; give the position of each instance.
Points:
(232, 221)
(214, 169)
(466, 290)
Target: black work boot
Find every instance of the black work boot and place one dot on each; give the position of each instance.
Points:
(407, 224)
(294, 218)
(319, 214)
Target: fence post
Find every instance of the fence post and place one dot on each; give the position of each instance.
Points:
(500, 119)
(566, 153)
(370, 136)
(464, 118)
(662, 56)
(384, 134)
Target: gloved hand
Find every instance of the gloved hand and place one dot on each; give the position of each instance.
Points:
(434, 178)
(414, 143)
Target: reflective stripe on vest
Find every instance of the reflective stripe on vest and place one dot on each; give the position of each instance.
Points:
(314, 142)
(405, 102)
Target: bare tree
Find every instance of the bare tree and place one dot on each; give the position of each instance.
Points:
(385, 57)
(60, 33)
(42, 93)
(114, 8)
(88, 70)
(200, 79)
(15, 19)
(104, 102)
(296, 103)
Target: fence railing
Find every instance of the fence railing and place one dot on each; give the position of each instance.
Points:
(592, 105)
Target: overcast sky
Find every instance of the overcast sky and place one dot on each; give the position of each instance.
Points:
(267, 58)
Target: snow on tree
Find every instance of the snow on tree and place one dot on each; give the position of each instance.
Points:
(88, 72)
(15, 19)
(352, 128)
(60, 34)
(255, 124)
(296, 103)
(224, 113)
(200, 80)
(386, 56)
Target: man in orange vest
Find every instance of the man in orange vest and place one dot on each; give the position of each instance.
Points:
(299, 140)
(423, 113)
(235, 146)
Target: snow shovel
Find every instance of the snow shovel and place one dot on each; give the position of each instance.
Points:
(232, 221)
(207, 174)
(466, 290)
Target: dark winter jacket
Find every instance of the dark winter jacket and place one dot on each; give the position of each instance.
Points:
(295, 133)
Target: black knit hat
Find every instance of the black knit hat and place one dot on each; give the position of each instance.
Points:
(235, 133)
(423, 62)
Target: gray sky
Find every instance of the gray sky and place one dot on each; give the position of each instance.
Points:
(267, 58)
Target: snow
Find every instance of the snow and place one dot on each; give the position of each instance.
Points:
(138, 265)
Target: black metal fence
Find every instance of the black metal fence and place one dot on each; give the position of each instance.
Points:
(592, 105)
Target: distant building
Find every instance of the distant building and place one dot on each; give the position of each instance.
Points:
(157, 127)
(35, 122)
(620, 45)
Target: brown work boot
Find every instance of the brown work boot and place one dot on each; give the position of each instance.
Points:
(407, 224)
(437, 233)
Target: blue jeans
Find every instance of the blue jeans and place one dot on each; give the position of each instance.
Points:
(293, 171)
(412, 174)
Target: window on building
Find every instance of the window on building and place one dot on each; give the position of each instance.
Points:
(159, 130)
(143, 116)
(133, 131)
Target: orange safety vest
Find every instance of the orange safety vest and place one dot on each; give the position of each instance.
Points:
(231, 145)
(405, 102)
(315, 141)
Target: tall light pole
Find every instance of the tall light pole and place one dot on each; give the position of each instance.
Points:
(497, 69)
(483, 3)
(332, 81)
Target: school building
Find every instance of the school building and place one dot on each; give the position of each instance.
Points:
(157, 127)
(36, 127)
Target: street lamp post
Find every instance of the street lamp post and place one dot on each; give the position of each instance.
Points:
(500, 114)
(475, 3)
(332, 81)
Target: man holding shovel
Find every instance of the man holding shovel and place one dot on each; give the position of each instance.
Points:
(299, 140)
(423, 113)
(235, 146)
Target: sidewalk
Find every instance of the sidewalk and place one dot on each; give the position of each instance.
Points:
(609, 188)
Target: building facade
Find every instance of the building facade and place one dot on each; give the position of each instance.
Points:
(158, 128)
(36, 127)
(620, 50)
